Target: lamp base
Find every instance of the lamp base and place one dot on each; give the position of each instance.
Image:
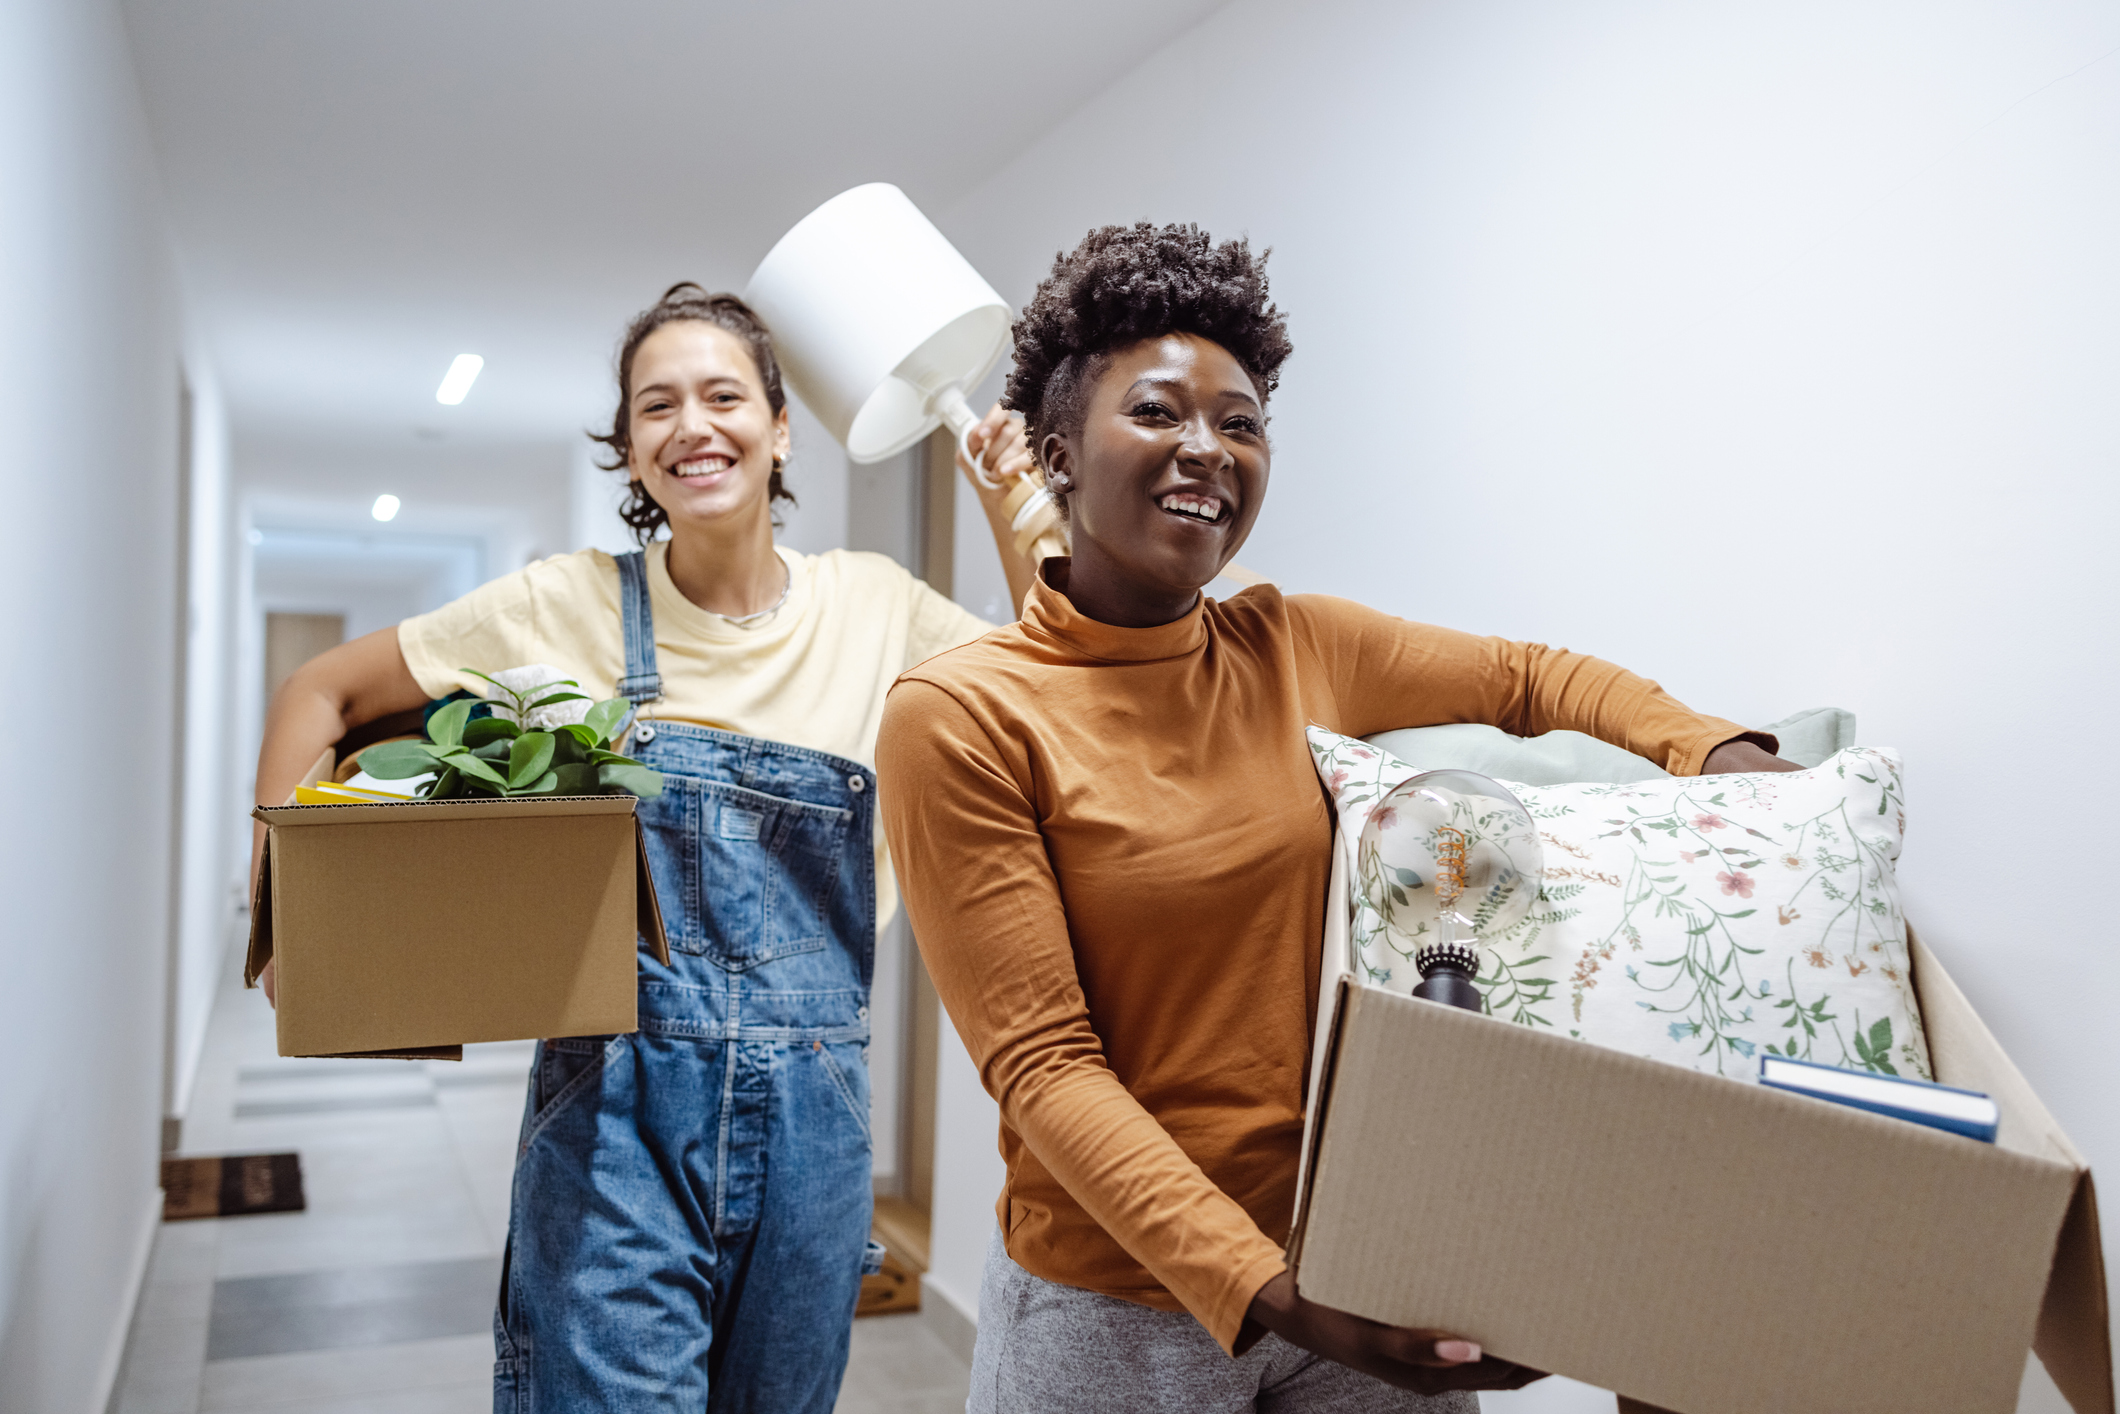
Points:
(1035, 518)
(1446, 982)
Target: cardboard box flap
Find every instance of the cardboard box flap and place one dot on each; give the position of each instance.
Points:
(2075, 1335)
(490, 807)
(2075, 1340)
(1965, 1053)
(648, 905)
(1314, 1117)
(1332, 969)
(260, 951)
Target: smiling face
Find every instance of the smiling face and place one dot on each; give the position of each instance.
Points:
(1164, 480)
(704, 437)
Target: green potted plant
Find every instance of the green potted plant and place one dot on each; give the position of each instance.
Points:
(506, 755)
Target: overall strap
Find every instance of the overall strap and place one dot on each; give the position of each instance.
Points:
(642, 682)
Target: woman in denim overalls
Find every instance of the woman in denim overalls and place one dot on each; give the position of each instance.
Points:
(697, 1194)
(690, 1219)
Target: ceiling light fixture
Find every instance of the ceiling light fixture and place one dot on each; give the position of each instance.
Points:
(458, 380)
(385, 507)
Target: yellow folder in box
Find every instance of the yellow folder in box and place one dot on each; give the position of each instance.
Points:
(332, 793)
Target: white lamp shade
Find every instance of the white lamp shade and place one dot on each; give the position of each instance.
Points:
(877, 320)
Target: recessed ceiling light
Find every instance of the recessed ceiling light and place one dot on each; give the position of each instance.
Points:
(458, 380)
(386, 506)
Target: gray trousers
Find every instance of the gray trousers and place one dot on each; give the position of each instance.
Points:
(1044, 1348)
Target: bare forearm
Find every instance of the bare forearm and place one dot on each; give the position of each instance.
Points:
(1018, 569)
(320, 702)
(1005, 458)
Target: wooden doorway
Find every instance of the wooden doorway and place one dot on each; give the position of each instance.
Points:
(293, 639)
(924, 541)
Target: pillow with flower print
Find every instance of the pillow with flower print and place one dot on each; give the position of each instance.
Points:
(1696, 920)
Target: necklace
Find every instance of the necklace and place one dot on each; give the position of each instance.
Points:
(754, 620)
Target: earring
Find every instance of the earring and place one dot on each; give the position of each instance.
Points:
(778, 463)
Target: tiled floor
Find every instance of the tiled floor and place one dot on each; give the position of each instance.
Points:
(378, 1298)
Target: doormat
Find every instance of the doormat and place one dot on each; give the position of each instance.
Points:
(232, 1186)
(895, 1288)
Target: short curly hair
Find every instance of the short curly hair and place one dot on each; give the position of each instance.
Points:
(1124, 284)
(685, 300)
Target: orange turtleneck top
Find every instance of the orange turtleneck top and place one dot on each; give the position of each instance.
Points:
(1114, 849)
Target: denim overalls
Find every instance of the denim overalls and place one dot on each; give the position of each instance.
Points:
(691, 1210)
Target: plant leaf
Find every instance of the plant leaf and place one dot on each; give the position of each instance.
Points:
(584, 734)
(529, 756)
(477, 770)
(631, 777)
(490, 729)
(577, 779)
(446, 727)
(557, 697)
(397, 760)
(444, 785)
(567, 749)
(604, 718)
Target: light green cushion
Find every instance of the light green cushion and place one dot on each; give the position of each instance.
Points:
(1563, 758)
(1808, 738)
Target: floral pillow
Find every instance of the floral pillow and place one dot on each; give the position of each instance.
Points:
(1696, 920)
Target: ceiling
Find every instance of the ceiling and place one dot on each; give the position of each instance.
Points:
(362, 189)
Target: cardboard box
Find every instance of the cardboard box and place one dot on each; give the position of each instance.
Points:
(1694, 1243)
(411, 928)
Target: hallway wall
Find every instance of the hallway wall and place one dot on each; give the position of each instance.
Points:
(1767, 349)
(89, 356)
(207, 867)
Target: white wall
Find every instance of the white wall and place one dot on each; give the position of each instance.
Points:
(596, 494)
(208, 888)
(817, 473)
(89, 353)
(981, 585)
(517, 497)
(1769, 349)
(508, 501)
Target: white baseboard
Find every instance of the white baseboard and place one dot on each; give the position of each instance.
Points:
(113, 1362)
(953, 1325)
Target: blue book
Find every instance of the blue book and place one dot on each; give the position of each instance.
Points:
(1966, 1112)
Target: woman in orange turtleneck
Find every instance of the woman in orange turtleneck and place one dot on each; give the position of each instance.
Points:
(1114, 849)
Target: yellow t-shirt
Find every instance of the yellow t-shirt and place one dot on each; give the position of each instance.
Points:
(814, 674)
